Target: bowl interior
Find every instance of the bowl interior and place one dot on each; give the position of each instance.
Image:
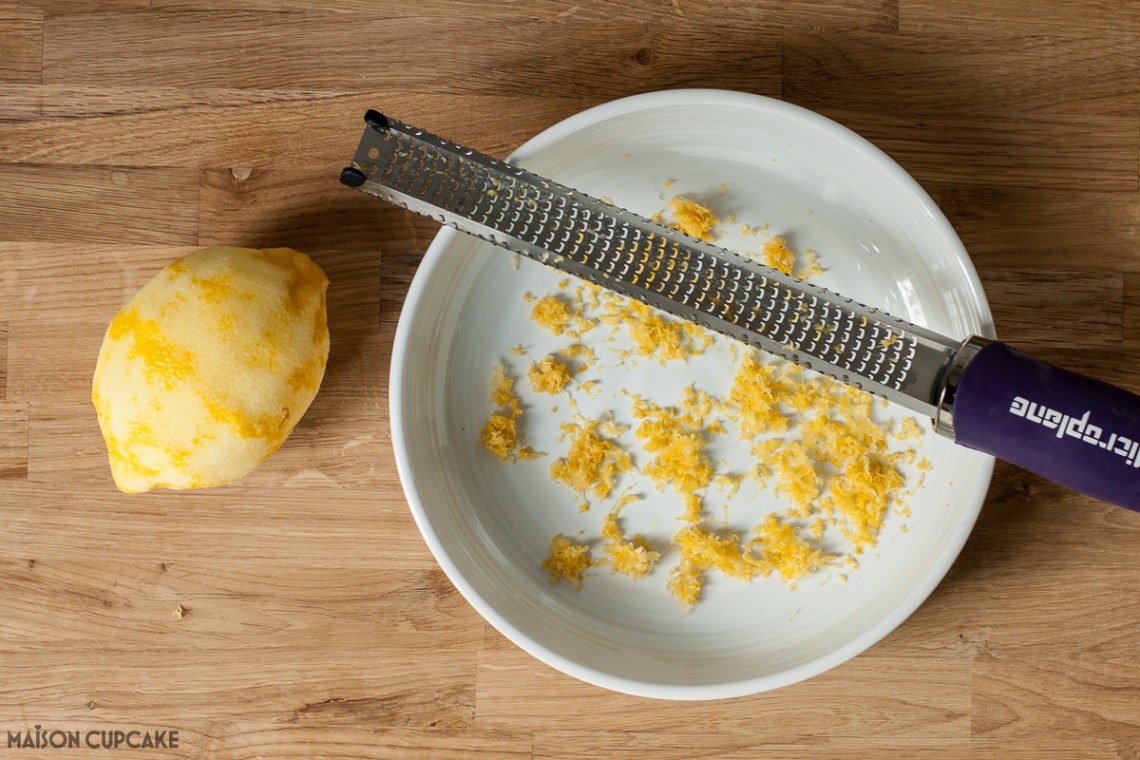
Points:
(879, 239)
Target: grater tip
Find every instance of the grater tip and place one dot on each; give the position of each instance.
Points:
(376, 120)
(352, 177)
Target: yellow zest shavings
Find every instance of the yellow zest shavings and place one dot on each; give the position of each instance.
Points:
(859, 496)
(841, 467)
(568, 561)
(633, 558)
(592, 465)
(782, 551)
(548, 376)
(500, 437)
(589, 295)
(692, 218)
(776, 547)
(500, 434)
(709, 550)
(863, 472)
(502, 391)
(703, 550)
(813, 269)
(675, 438)
(815, 443)
(652, 333)
(552, 313)
(778, 256)
(908, 429)
(581, 352)
(685, 584)
(729, 485)
(757, 392)
(796, 476)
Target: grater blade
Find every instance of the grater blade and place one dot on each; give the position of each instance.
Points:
(649, 262)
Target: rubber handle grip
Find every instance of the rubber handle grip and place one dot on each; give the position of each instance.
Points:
(1076, 431)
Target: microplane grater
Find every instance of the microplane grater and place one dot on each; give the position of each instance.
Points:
(978, 392)
(650, 262)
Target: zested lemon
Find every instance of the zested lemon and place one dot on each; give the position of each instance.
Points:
(208, 368)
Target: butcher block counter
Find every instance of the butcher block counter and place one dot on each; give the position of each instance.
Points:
(297, 612)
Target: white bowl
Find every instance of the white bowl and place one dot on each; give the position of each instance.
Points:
(880, 239)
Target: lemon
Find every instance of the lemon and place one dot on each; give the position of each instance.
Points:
(207, 369)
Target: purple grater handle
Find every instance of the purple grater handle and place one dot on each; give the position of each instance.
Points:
(1073, 430)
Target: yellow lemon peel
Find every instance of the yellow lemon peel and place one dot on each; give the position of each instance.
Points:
(208, 368)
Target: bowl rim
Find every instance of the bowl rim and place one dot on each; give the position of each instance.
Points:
(433, 259)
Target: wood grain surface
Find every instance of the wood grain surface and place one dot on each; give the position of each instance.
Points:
(297, 613)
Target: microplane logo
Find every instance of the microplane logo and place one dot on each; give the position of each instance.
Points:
(77, 738)
(1079, 428)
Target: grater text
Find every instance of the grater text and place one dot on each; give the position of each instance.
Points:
(1076, 427)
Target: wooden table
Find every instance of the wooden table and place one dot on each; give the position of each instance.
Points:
(297, 613)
